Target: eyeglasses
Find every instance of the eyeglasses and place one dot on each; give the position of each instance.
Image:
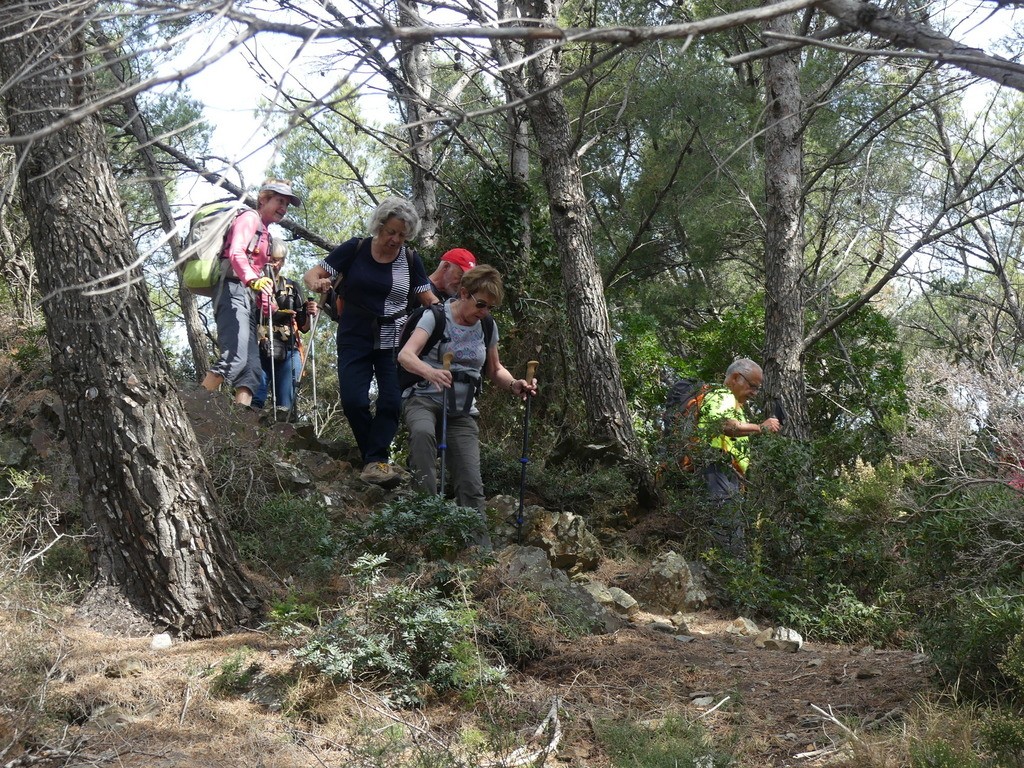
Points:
(484, 304)
(753, 387)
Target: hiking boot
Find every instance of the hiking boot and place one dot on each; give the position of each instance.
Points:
(380, 473)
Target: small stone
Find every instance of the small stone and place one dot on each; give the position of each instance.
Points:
(125, 668)
(865, 673)
(160, 642)
(783, 639)
(623, 603)
(685, 638)
(703, 701)
(742, 626)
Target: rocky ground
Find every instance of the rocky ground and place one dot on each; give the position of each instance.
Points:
(120, 699)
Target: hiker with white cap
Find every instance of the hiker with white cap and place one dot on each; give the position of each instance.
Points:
(446, 278)
(244, 285)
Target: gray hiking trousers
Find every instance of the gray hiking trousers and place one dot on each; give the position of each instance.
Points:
(239, 361)
(462, 457)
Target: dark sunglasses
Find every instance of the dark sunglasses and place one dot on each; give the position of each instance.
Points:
(484, 304)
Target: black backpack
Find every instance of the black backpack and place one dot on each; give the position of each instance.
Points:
(407, 379)
(682, 412)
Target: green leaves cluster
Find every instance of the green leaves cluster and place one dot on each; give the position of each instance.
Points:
(408, 640)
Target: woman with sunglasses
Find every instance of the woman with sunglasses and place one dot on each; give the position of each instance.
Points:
(480, 292)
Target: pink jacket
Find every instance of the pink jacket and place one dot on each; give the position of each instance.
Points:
(248, 266)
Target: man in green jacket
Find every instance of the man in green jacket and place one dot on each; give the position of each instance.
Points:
(724, 426)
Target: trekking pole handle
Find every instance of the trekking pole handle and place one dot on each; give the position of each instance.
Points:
(447, 360)
(531, 371)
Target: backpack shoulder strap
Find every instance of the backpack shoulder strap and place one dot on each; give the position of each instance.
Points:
(436, 335)
(346, 262)
(488, 323)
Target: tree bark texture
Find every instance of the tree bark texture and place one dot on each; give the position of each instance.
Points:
(784, 239)
(600, 379)
(147, 498)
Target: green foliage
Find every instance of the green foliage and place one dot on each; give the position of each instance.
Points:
(489, 222)
(66, 566)
(941, 754)
(412, 527)
(1003, 735)
(644, 362)
(972, 638)
(670, 743)
(712, 346)
(235, 675)
(293, 609)
(288, 533)
(824, 554)
(1012, 664)
(855, 382)
(601, 493)
(408, 640)
(32, 350)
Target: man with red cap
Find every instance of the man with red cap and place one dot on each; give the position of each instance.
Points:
(445, 279)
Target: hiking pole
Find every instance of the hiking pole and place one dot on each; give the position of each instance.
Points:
(269, 272)
(302, 370)
(531, 372)
(443, 447)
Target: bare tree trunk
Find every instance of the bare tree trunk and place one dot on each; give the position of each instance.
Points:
(784, 240)
(146, 495)
(16, 268)
(414, 99)
(600, 378)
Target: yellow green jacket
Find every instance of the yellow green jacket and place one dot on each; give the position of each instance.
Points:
(719, 406)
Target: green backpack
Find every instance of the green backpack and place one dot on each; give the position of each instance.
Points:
(205, 244)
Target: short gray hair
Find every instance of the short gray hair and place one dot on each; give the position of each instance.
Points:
(398, 208)
(744, 366)
(278, 248)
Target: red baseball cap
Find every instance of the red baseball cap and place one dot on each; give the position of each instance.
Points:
(460, 257)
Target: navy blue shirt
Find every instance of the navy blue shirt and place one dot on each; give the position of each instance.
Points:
(373, 290)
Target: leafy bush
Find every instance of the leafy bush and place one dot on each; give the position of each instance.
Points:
(397, 636)
(826, 554)
(1003, 734)
(416, 526)
(940, 754)
(235, 675)
(288, 533)
(970, 639)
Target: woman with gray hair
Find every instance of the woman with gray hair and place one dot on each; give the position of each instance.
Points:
(377, 280)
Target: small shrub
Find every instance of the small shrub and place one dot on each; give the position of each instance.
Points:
(417, 526)
(288, 533)
(411, 641)
(292, 610)
(975, 641)
(1003, 734)
(235, 675)
(940, 754)
(669, 743)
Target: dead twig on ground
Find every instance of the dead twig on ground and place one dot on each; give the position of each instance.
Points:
(526, 754)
